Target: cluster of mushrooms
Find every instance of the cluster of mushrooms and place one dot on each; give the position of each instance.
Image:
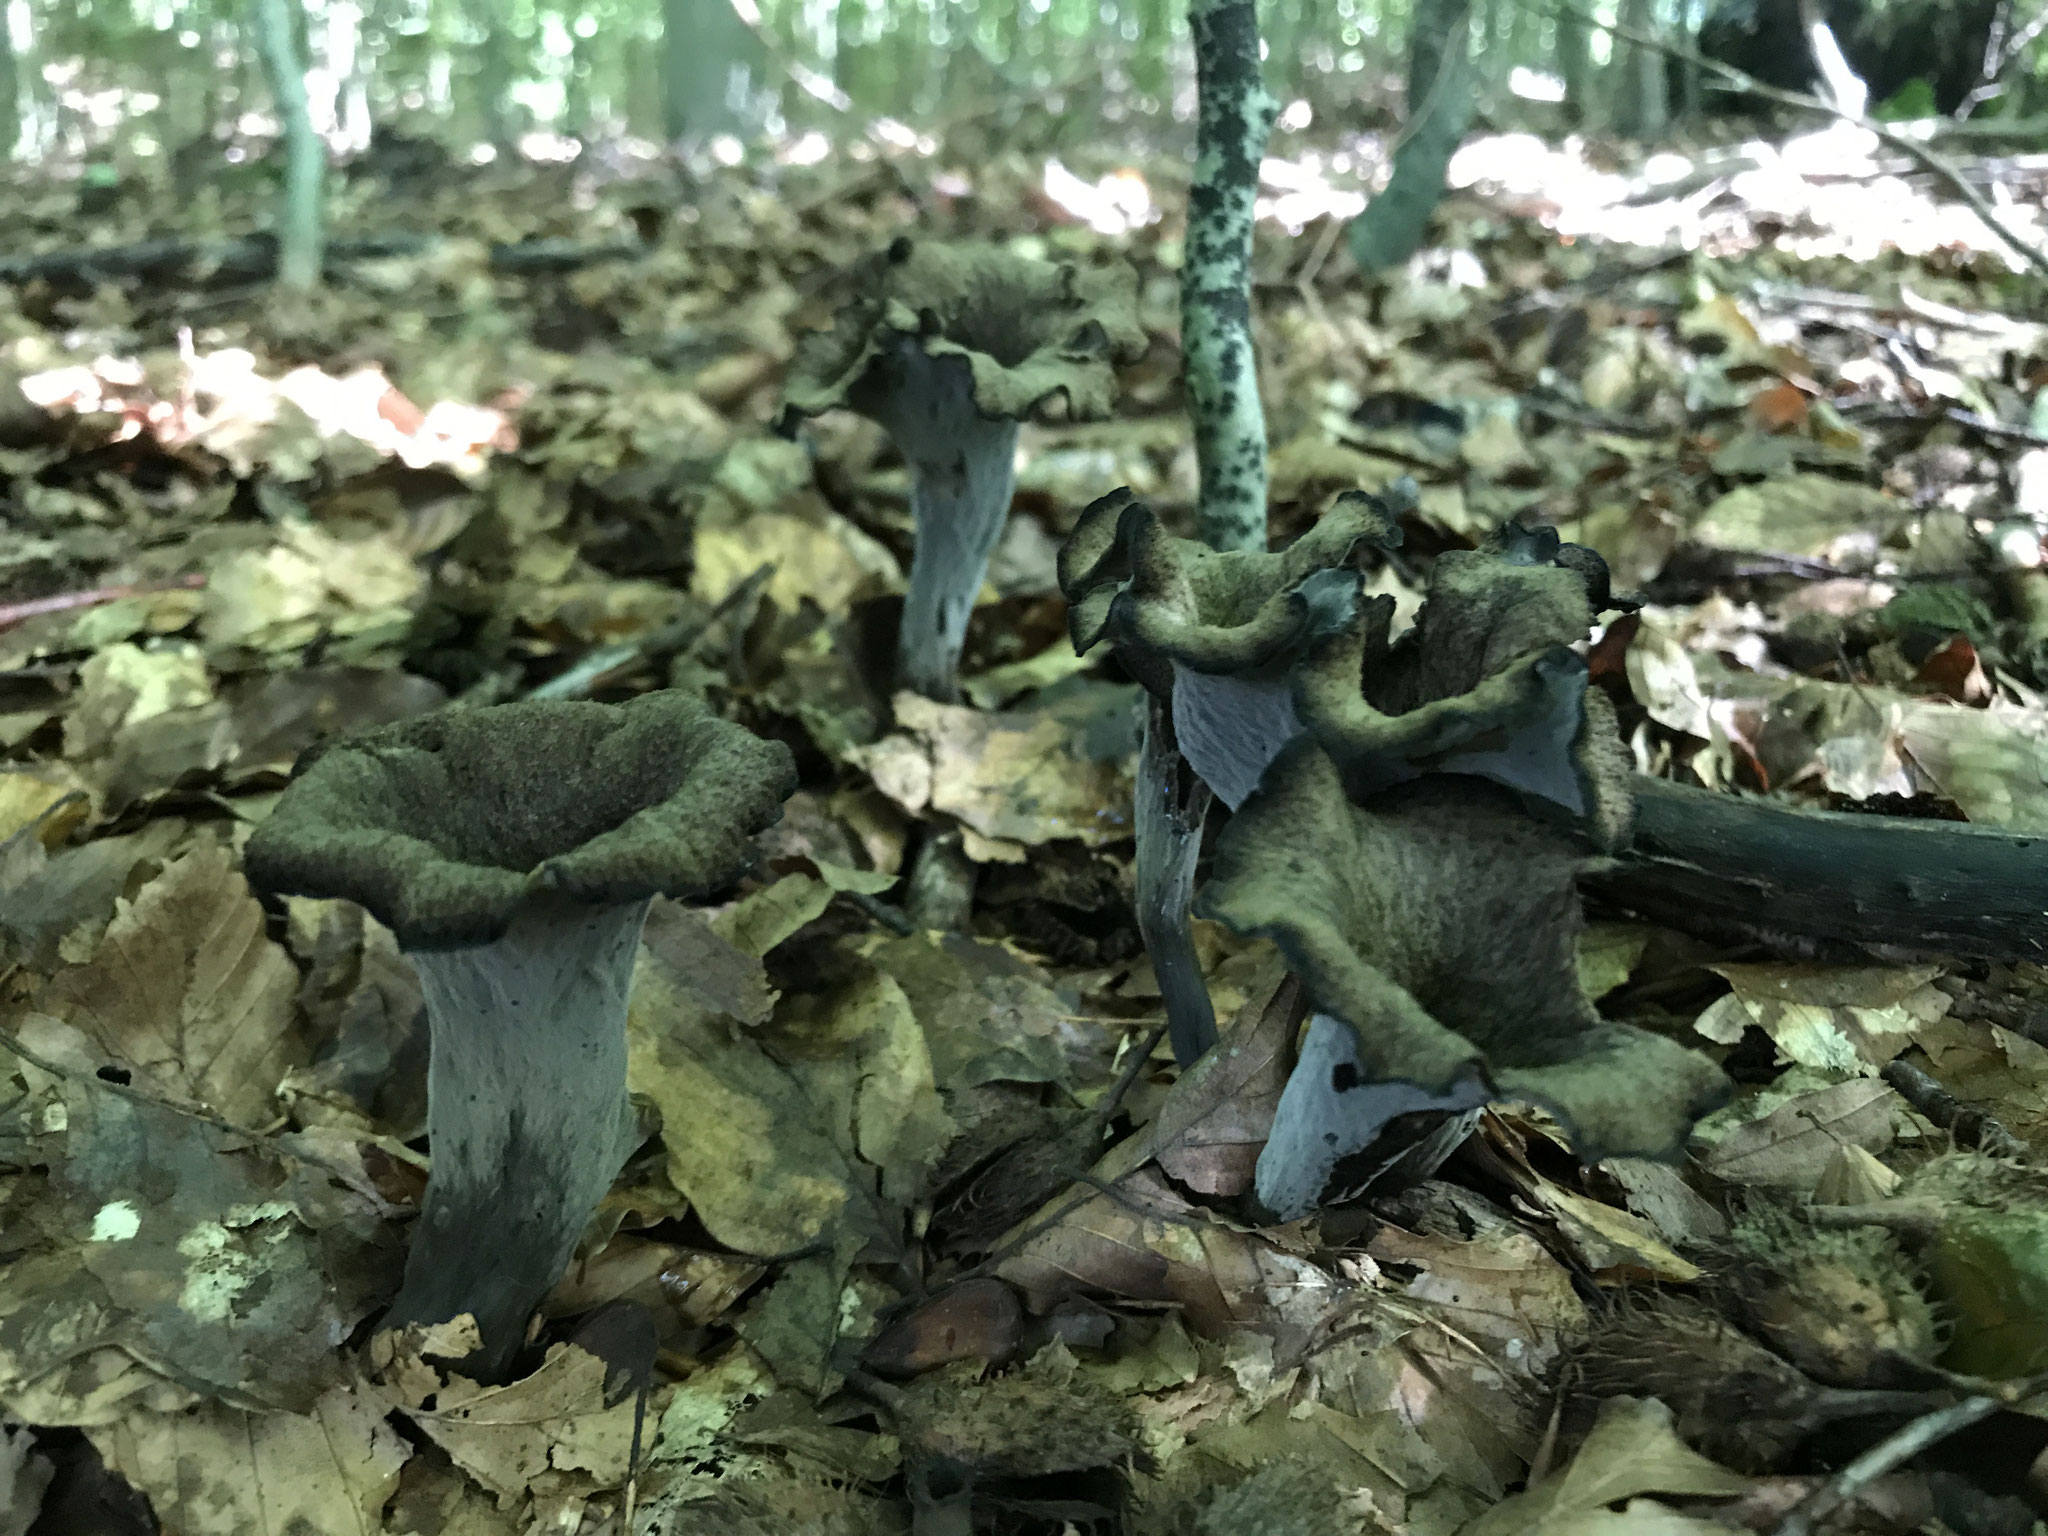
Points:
(1409, 815)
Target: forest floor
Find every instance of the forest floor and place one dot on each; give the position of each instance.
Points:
(901, 1275)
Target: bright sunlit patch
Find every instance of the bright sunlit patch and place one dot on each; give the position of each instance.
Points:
(810, 149)
(727, 150)
(903, 136)
(549, 148)
(1297, 117)
(1666, 166)
(116, 1222)
(1534, 85)
(221, 403)
(2020, 548)
(1117, 204)
(1295, 193)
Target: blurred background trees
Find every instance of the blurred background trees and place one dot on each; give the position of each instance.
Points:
(149, 81)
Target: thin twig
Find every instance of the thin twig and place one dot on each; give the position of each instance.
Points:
(1133, 1070)
(1971, 1127)
(677, 639)
(888, 914)
(1901, 1446)
(12, 614)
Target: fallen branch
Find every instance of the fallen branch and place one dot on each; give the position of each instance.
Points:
(1891, 1452)
(255, 257)
(1971, 1126)
(1728, 863)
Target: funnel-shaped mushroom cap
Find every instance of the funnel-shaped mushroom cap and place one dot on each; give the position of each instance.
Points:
(1215, 631)
(1162, 600)
(1484, 684)
(1440, 923)
(441, 826)
(1041, 340)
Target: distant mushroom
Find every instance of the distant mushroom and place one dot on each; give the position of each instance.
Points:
(1416, 861)
(949, 348)
(1212, 635)
(514, 850)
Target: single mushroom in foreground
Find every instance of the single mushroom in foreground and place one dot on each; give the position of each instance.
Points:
(949, 348)
(1213, 636)
(513, 850)
(1415, 854)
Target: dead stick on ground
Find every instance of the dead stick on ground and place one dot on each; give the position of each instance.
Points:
(670, 640)
(1891, 1452)
(1971, 1127)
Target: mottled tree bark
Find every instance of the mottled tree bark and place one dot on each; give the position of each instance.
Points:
(301, 234)
(1236, 117)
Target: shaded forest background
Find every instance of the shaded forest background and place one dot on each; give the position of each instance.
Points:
(161, 86)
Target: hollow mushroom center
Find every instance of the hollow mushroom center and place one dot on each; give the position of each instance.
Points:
(963, 469)
(527, 1113)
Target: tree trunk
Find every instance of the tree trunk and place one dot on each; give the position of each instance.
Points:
(1440, 99)
(10, 91)
(300, 236)
(1236, 115)
(1642, 108)
(494, 72)
(1575, 67)
(709, 62)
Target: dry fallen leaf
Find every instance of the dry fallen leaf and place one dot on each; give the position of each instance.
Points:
(1025, 777)
(213, 1470)
(1791, 1146)
(549, 1438)
(1631, 1452)
(186, 991)
(1843, 1019)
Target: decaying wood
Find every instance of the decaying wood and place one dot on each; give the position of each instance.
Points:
(1723, 863)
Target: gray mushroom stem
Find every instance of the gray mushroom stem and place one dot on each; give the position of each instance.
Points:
(963, 470)
(1171, 806)
(527, 1113)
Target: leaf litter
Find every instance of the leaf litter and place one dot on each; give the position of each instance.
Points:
(924, 1229)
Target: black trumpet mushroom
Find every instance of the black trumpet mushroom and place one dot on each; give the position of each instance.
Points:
(514, 850)
(949, 348)
(1414, 851)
